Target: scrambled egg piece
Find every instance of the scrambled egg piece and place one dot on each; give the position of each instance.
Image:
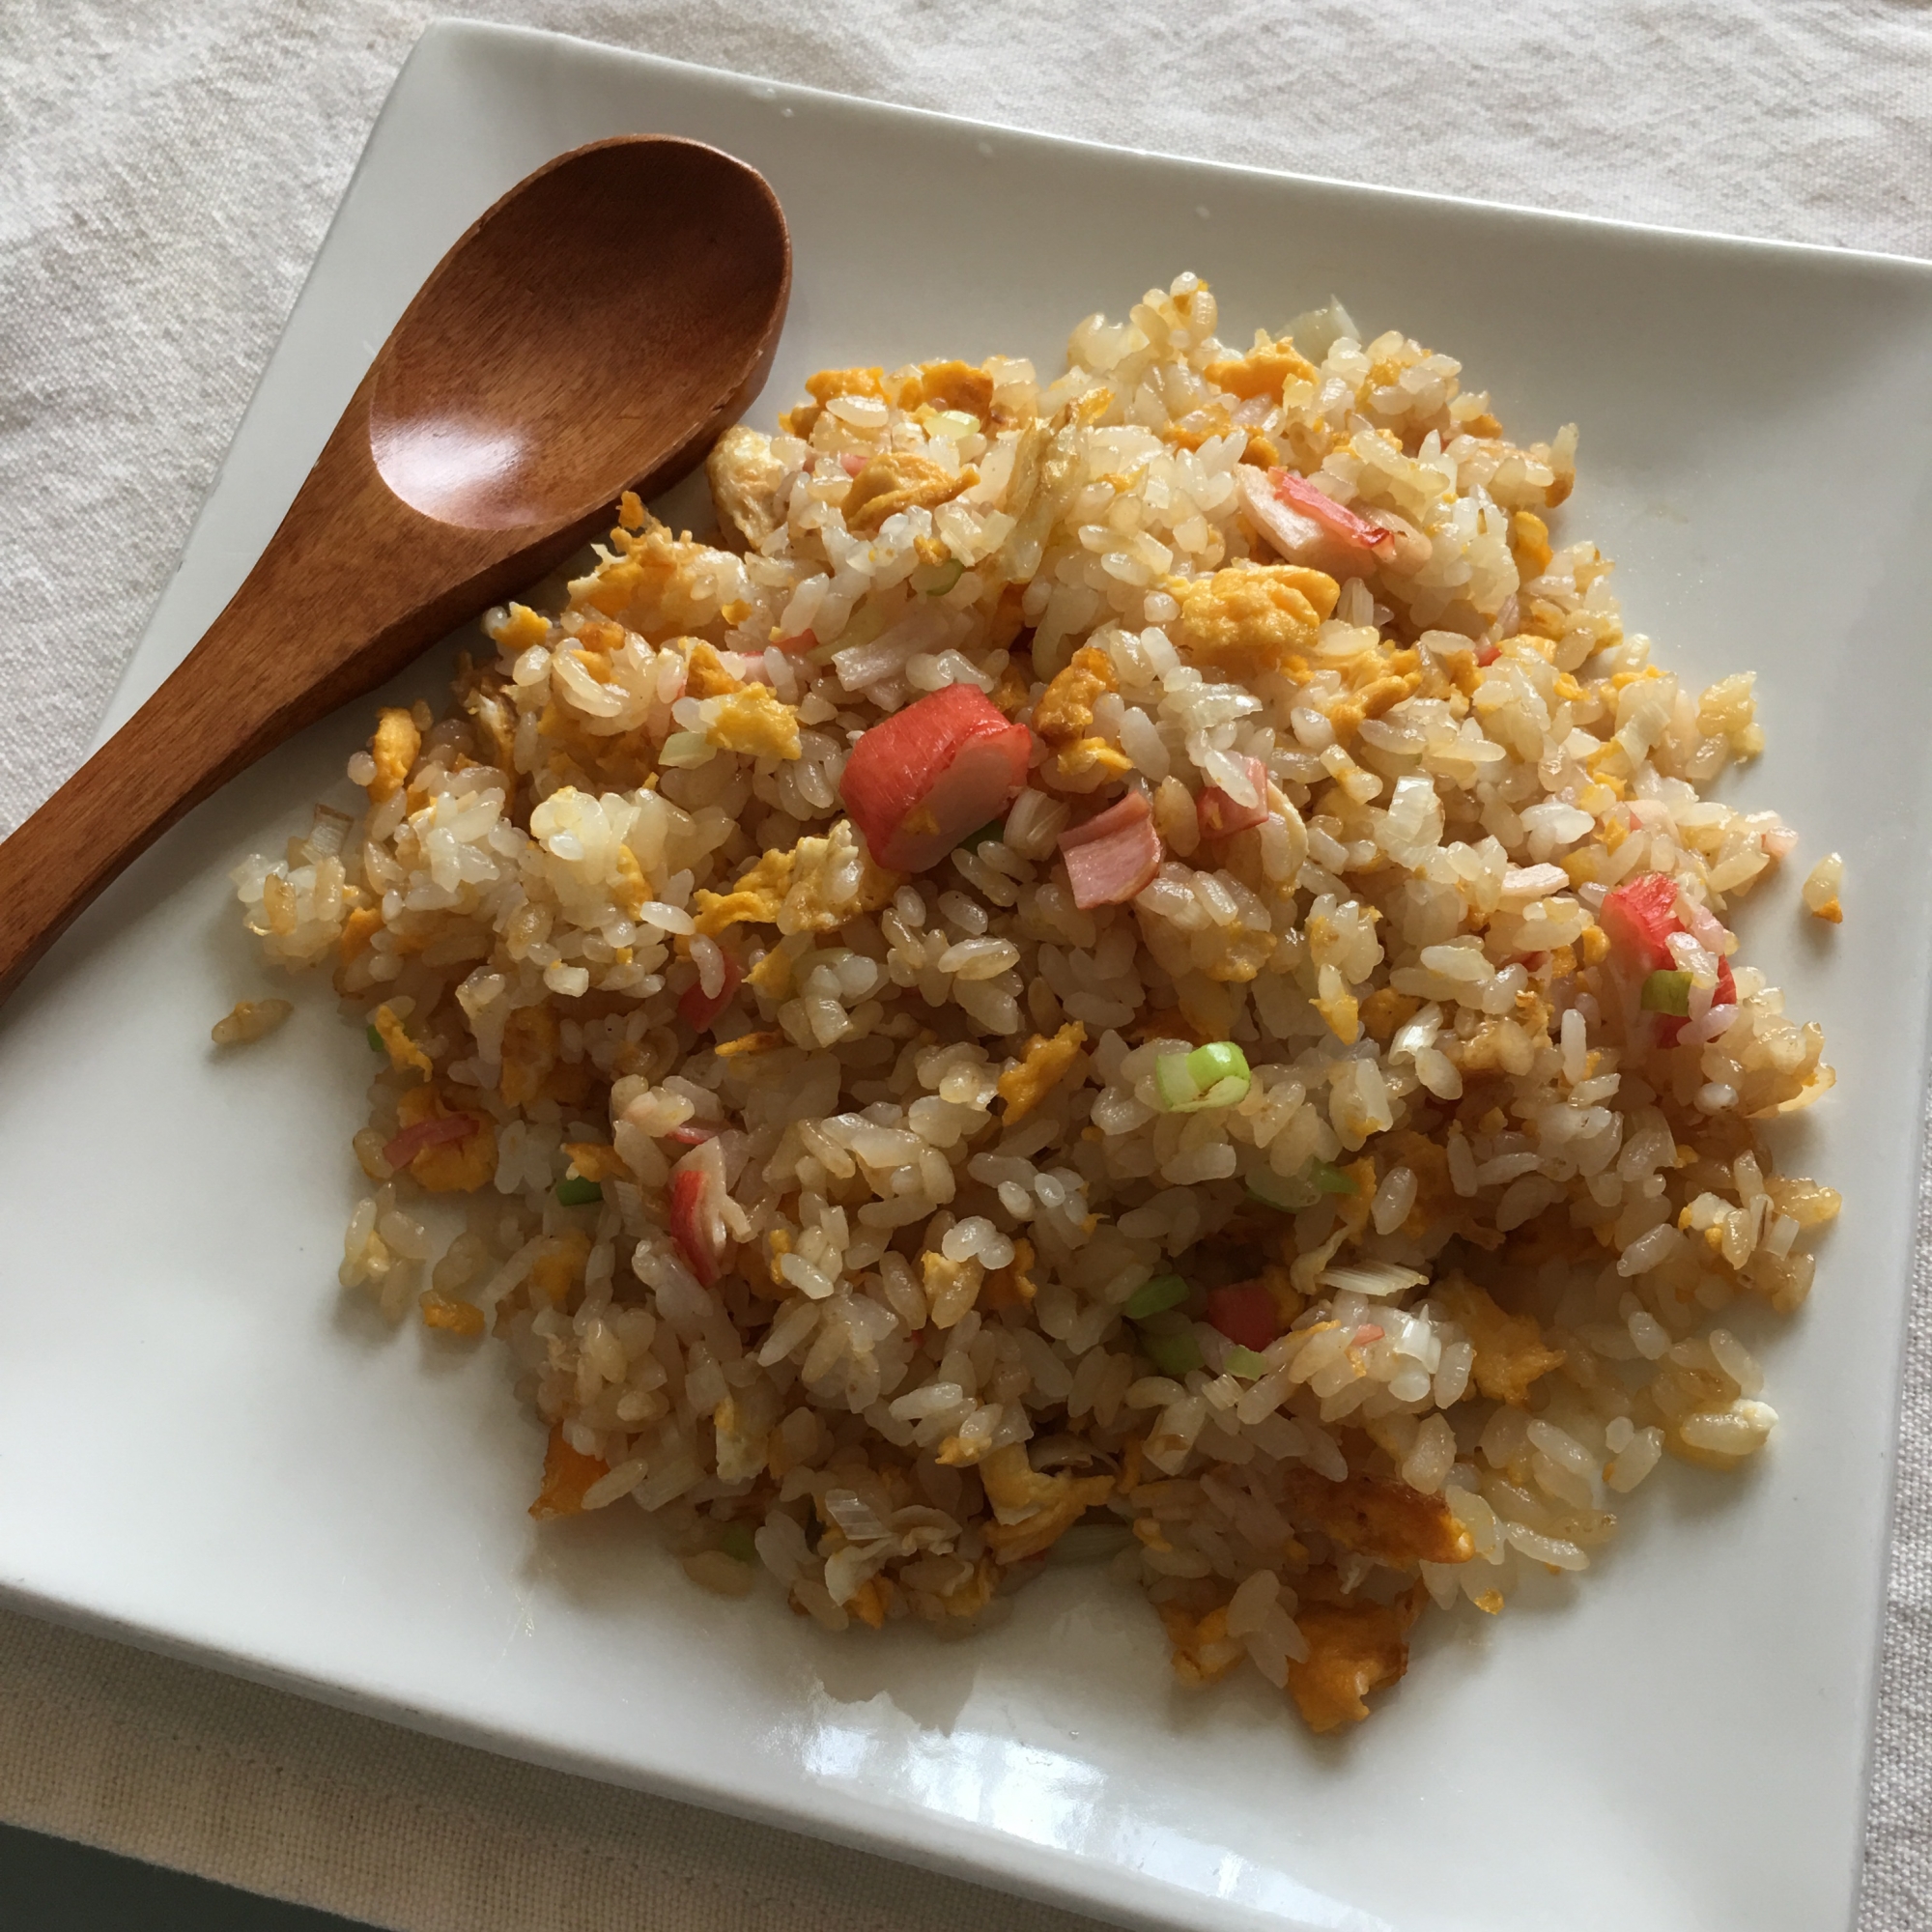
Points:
(970, 1597)
(559, 1266)
(893, 481)
(394, 749)
(1262, 371)
(595, 1160)
(401, 1050)
(791, 890)
(519, 628)
(629, 887)
(756, 722)
(1510, 1353)
(456, 1167)
(1353, 1648)
(1387, 1521)
(1039, 1070)
(869, 1602)
(749, 1042)
(1011, 693)
(566, 1476)
(657, 585)
(1012, 1285)
(1203, 1650)
(1032, 1511)
(358, 930)
(1093, 754)
(1251, 619)
(1385, 1009)
(956, 386)
(529, 1052)
(1065, 713)
(704, 672)
(831, 383)
(755, 899)
(1342, 1016)
(446, 1312)
(1530, 543)
(952, 1287)
(743, 476)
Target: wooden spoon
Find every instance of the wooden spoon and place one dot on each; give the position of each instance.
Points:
(592, 333)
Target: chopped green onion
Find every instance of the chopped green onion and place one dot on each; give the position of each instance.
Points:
(1327, 1179)
(1220, 1060)
(989, 834)
(1159, 1292)
(1667, 993)
(1290, 1193)
(1175, 1085)
(1244, 1362)
(1215, 1075)
(374, 1039)
(737, 1543)
(935, 580)
(574, 1191)
(1173, 1354)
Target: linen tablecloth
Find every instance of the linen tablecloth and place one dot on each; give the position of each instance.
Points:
(166, 172)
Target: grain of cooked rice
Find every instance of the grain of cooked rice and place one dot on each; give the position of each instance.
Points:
(812, 1287)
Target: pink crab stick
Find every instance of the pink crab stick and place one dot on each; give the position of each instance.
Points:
(918, 783)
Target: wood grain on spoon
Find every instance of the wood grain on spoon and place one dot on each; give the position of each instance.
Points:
(592, 333)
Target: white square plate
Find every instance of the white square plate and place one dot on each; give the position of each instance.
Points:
(204, 1447)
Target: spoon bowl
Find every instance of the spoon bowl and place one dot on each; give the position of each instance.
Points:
(638, 317)
(591, 333)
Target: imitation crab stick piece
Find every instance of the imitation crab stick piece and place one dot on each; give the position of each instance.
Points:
(698, 1008)
(1244, 1312)
(1342, 523)
(438, 1130)
(692, 1222)
(918, 783)
(1114, 855)
(1307, 526)
(1219, 814)
(1638, 919)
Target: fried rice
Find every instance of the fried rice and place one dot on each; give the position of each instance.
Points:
(1132, 969)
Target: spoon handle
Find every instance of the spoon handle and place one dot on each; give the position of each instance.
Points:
(353, 586)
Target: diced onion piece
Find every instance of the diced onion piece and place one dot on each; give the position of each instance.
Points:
(684, 751)
(918, 782)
